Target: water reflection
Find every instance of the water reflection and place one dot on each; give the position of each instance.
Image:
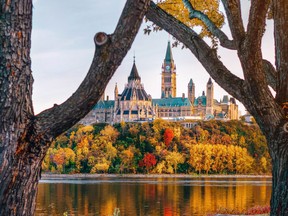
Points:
(158, 196)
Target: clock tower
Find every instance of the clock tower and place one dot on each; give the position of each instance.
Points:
(168, 81)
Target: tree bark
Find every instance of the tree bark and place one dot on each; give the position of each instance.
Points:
(280, 13)
(25, 138)
(279, 197)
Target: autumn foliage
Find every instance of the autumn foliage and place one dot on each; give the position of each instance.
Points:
(256, 210)
(168, 136)
(148, 161)
(212, 147)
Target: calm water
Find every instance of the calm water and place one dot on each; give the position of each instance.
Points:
(157, 196)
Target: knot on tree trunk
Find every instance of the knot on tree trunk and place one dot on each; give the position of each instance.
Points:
(100, 38)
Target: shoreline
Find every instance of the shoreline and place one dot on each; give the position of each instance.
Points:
(48, 176)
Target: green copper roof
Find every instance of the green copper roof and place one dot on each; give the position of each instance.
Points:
(200, 101)
(178, 101)
(225, 99)
(168, 57)
(104, 104)
(191, 82)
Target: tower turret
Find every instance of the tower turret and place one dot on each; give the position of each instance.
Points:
(168, 84)
(116, 96)
(210, 97)
(191, 91)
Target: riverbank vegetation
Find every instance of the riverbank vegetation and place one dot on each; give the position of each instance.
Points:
(209, 147)
(256, 210)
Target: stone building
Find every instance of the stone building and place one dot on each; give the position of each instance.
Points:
(134, 104)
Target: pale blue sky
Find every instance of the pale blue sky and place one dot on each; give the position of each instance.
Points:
(63, 48)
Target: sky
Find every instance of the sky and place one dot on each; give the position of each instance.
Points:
(63, 48)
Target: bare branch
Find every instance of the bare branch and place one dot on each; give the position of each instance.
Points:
(249, 51)
(223, 38)
(256, 23)
(110, 51)
(233, 13)
(206, 55)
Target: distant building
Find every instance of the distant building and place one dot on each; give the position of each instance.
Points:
(134, 104)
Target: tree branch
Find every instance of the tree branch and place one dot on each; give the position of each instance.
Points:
(250, 53)
(280, 16)
(233, 13)
(256, 23)
(206, 55)
(223, 38)
(271, 74)
(110, 51)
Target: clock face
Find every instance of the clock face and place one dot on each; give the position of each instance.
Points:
(167, 67)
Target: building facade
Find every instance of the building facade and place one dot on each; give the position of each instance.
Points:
(134, 104)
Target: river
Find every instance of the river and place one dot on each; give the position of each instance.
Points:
(150, 196)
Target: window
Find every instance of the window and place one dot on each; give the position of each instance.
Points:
(167, 79)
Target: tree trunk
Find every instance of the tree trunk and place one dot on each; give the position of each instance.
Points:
(279, 197)
(19, 179)
(25, 138)
(19, 170)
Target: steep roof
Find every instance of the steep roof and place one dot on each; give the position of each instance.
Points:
(177, 101)
(209, 81)
(134, 90)
(168, 56)
(200, 101)
(134, 73)
(104, 104)
(191, 82)
(137, 90)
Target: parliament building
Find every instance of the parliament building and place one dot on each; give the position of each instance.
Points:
(134, 104)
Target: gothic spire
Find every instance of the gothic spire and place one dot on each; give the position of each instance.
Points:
(169, 56)
(134, 72)
(191, 82)
(209, 81)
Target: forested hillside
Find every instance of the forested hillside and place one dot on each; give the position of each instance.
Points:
(210, 147)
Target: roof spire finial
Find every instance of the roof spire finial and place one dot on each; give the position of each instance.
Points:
(134, 57)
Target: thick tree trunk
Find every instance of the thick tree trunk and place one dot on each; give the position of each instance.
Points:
(19, 179)
(25, 138)
(279, 198)
(17, 168)
(279, 154)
